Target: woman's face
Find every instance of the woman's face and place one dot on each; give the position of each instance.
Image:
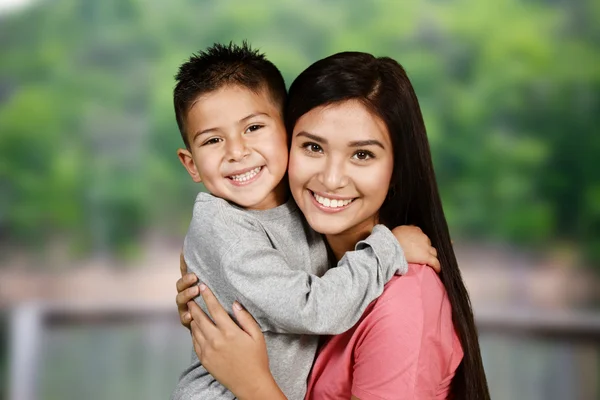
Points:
(340, 166)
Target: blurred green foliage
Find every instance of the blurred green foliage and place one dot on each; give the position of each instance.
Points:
(510, 91)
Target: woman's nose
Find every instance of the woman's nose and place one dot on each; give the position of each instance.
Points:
(334, 176)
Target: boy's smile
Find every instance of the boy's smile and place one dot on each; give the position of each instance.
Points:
(238, 147)
(245, 176)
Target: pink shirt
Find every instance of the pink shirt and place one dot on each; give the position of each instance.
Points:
(403, 347)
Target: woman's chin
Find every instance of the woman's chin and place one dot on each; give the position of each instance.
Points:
(325, 226)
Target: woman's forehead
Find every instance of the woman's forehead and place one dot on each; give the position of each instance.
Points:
(343, 121)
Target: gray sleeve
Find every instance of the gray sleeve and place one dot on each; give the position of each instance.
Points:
(289, 300)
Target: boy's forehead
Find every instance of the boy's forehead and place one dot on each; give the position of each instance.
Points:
(235, 99)
(229, 104)
(260, 94)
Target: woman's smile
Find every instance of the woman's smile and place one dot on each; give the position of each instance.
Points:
(331, 203)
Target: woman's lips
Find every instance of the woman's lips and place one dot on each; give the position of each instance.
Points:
(318, 199)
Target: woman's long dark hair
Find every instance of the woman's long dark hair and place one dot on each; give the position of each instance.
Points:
(383, 88)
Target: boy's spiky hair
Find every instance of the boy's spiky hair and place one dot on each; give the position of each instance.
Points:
(221, 65)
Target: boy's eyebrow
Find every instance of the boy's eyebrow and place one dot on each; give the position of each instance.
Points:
(370, 142)
(316, 138)
(256, 114)
(202, 132)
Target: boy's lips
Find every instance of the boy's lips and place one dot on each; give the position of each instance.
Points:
(245, 176)
(331, 203)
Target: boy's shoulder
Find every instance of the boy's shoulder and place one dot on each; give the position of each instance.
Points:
(216, 213)
(216, 227)
(208, 203)
(213, 211)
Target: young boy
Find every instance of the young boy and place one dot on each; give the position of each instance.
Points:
(247, 240)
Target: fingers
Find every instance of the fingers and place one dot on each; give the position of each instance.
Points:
(180, 284)
(433, 251)
(433, 261)
(198, 339)
(435, 264)
(195, 311)
(184, 315)
(247, 321)
(182, 264)
(184, 297)
(215, 309)
(185, 294)
(206, 326)
(186, 281)
(185, 318)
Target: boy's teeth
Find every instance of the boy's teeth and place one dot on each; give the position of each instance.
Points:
(246, 176)
(331, 203)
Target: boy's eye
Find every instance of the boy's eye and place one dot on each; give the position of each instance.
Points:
(253, 128)
(363, 155)
(212, 141)
(311, 147)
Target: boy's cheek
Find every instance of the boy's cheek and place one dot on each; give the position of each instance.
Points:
(279, 149)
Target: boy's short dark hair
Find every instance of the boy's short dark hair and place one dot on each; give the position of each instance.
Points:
(221, 65)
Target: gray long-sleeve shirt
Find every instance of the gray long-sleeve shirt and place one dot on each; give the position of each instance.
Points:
(273, 263)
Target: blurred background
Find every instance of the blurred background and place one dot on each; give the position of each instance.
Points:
(94, 203)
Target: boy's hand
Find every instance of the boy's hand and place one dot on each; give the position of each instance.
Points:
(187, 290)
(417, 246)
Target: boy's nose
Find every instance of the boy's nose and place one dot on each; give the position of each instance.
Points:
(237, 150)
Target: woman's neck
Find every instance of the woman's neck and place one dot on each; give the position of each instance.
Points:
(346, 241)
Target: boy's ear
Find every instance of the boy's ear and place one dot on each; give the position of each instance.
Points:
(185, 156)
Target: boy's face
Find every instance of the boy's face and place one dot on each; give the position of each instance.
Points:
(238, 147)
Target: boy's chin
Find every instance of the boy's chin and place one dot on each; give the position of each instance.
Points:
(259, 201)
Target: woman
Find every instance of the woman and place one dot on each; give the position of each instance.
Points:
(357, 132)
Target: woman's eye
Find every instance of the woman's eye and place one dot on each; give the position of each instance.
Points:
(312, 147)
(253, 128)
(212, 141)
(363, 155)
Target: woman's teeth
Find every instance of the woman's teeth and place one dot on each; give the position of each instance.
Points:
(332, 203)
(246, 176)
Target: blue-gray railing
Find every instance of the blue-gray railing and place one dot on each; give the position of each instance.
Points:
(29, 321)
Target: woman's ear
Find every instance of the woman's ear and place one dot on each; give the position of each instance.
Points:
(185, 156)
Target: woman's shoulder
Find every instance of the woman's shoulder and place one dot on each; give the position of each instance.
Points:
(409, 330)
(420, 285)
(413, 317)
(414, 302)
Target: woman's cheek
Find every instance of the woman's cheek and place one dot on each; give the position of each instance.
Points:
(292, 169)
(377, 181)
(296, 173)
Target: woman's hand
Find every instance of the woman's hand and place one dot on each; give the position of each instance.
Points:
(187, 290)
(417, 246)
(236, 358)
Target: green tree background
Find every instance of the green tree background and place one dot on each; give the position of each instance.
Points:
(510, 91)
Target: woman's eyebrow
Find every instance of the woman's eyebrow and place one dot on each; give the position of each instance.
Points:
(370, 142)
(316, 138)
